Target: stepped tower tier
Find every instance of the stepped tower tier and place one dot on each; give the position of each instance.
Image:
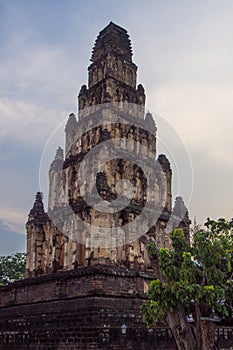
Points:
(112, 74)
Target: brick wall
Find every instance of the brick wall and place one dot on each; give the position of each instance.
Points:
(83, 323)
(83, 309)
(86, 281)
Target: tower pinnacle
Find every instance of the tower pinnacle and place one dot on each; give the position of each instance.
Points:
(37, 214)
(112, 40)
(112, 75)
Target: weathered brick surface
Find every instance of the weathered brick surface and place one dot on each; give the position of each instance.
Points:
(85, 323)
(87, 281)
(84, 309)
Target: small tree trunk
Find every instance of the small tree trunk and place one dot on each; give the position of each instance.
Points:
(181, 330)
(207, 330)
(197, 330)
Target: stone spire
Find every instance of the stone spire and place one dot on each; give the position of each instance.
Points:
(112, 76)
(37, 214)
(164, 162)
(181, 216)
(114, 40)
(166, 167)
(180, 209)
(112, 57)
(70, 130)
(151, 123)
(71, 122)
(57, 163)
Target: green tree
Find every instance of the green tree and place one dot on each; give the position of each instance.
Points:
(192, 280)
(12, 267)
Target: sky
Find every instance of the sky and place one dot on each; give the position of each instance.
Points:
(184, 53)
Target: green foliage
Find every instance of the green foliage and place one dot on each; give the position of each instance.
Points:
(200, 274)
(152, 248)
(12, 267)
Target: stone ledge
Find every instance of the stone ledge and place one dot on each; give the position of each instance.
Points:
(100, 280)
(81, 271)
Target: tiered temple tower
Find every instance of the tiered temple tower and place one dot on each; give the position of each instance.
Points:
(110, 156)
(107, 190)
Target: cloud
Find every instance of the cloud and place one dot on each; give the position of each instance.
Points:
(202, 115)
(11, 242)
(36, 72)
(35, 67)
(13, 219)
(27, 122)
